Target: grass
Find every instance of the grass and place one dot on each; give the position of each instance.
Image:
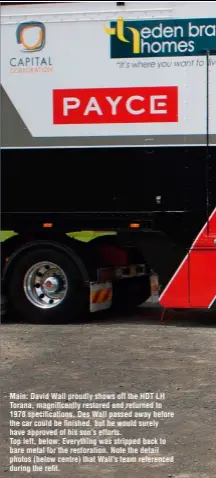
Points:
(84, 236)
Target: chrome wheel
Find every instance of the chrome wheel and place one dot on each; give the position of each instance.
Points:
(45, 285)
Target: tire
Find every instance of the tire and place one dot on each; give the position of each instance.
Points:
(130, 293)
(21, 295)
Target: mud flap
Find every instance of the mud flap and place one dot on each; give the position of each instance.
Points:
(101, 294)
(155, 289)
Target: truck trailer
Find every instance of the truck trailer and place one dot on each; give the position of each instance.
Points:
(108, 123)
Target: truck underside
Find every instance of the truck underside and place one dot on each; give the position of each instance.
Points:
(167, 195)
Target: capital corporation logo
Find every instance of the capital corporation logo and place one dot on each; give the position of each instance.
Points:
(31, 36)
(30, 40)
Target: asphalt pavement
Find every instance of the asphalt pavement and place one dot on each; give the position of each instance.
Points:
(136, 353)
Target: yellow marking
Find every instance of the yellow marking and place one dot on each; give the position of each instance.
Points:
(99, 296)
(119, 32)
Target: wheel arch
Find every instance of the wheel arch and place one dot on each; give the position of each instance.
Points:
(34, 245)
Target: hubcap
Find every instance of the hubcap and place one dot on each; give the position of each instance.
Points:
(45, 285)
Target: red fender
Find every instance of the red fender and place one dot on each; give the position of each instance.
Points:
(194, 283)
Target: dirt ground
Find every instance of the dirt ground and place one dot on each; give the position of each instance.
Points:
(111, 354)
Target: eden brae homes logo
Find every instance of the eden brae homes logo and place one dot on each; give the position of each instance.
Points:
(30, 40)
(157, 38)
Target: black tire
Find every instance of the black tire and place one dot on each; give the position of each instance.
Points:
(130, 293)
(72, 305)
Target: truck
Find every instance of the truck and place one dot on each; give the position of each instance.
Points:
(108, 123)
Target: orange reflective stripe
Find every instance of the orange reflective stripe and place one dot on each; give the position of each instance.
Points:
(99, 296)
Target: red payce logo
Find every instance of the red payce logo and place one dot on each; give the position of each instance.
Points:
(156, 104)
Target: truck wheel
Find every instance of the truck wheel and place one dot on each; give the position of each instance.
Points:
(46, 285)
(131, 293)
